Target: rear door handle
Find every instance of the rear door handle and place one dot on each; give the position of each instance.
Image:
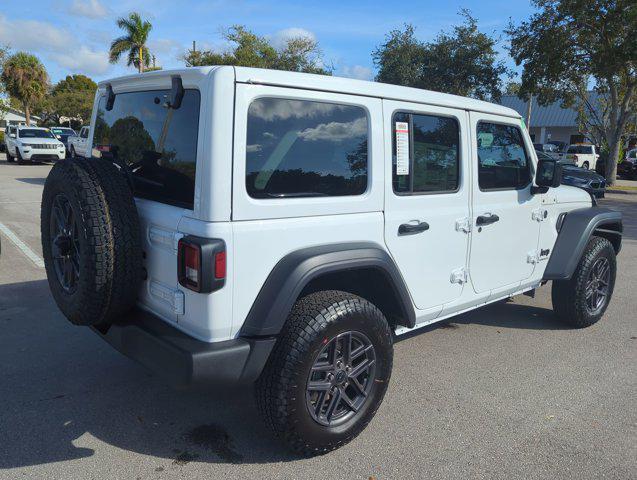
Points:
(487, 219)
(412, 228)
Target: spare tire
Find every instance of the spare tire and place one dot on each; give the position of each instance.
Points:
(90, 241)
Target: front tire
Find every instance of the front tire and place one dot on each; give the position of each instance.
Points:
(328, 372)
(19, 157)
(582, 300)
(72, 152)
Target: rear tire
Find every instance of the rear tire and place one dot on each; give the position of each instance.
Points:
(313, 420)
(94, 275)
(582, 300)
(586, 165)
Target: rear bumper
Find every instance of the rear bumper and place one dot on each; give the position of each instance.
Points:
(182, 360)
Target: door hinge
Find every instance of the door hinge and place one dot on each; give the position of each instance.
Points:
(459, 276)
(463, 225)
(539, 214)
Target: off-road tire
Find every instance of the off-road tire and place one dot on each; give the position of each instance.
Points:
(107, 283)
(281, 388)
(128, 268)
(569, 296)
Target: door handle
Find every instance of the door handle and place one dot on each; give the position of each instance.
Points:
(412, 228)
(487, 219)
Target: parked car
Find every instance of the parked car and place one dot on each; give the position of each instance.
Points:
(78, 144)
(62, 134)
(288, 246)
(561, 146)
(627, 168)
(582, 155)
(588, 180)
(548, 149)
(31, 144)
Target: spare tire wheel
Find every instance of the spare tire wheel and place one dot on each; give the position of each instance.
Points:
(90, 241)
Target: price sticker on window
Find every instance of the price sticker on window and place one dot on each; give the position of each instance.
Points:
(402, 148)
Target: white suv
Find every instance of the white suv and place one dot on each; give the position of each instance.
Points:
(279, 228)
(30, 144)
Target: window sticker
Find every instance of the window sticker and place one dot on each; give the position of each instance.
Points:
(485, 139)
(402, 148)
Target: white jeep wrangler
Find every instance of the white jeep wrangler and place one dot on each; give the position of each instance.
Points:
(237, 225)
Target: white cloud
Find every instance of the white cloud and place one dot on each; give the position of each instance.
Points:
(270, 109)
(280, 38)
(357, 71)
(336, 131)
(83, 60)
(33, 35)
(55, 44)
(88, 9)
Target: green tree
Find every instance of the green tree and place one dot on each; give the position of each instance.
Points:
(298, 54)
(73, 97)
(569, 45)
(25, 79)
(4, 53)
(463, 62)
(133, 41)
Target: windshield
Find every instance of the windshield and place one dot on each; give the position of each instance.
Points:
(34, 133)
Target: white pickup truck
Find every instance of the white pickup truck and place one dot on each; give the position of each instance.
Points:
(78, 145)
(582, 155)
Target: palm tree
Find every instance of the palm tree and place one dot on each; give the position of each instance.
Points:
(134, 41)
(25, 80)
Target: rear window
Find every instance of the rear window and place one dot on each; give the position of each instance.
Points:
(581, 149)
(301, 148)
(158, 144)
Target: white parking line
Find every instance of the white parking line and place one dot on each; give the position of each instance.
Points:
(31, 255)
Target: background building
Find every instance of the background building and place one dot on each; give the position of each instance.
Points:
(548, 123)
(10, 116)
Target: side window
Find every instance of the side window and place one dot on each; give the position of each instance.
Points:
(426, 153)
(302, 148)
(502, 159)
(84, 133)
(158, 144)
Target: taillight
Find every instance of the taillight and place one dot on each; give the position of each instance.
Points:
(201, 263)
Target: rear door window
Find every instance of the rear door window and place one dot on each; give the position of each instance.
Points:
(157, 144)
(302, 148)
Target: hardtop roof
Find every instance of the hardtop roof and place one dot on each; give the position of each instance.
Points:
(334, 84)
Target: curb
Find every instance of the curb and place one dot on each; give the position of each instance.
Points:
(621, 192)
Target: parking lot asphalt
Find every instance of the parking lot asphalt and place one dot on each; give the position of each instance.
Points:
(503, 392)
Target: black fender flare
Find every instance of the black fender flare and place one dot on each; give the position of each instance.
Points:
(575, 232)
(293, 272)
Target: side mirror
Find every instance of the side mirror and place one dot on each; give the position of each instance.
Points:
(548, 175)
(110, 97)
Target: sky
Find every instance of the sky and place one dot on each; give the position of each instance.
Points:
(73, 36)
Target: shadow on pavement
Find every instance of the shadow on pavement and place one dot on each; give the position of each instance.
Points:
(62, 387)
(32, 181)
